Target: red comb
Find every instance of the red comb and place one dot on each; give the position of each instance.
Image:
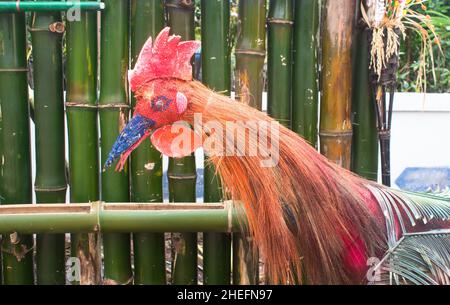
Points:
(166, 58)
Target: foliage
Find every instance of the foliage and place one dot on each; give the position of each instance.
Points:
(439, 81)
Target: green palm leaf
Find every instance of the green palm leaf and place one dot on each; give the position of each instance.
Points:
(422, 259)
(416, 258)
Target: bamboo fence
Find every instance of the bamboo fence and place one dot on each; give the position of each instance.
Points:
(113, 112)
(305, 93)
(81, 109)
(50, 184)
(216, 74)
(250, 56)
(279, 57)
(15, 167)
(182, 175)
(118, 220)
(147, 19)
(365, 137)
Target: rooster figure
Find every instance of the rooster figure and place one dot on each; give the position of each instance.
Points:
(313, 221)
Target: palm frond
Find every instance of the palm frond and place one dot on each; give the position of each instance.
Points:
(418, 258)
(441, 193)
(416, 206)
(413, 258)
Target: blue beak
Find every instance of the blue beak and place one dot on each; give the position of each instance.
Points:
(136, 128)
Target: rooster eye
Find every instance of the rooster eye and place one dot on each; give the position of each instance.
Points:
(160, 103)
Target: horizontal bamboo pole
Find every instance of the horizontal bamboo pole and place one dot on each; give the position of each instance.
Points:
(119, 217)
(42, 6)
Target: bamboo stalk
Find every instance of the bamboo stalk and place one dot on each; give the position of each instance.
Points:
(15, 165)
(182, 172)
(250, 51)
(113, 116)
(81, 100)
(46, 6)
(305, 93)
(279, 56)
(365, 140)
(1, 259)
(216, 74)
(147, 19)
(279, 23)
(50, 184)
(120, 217)
(180, 14)
(336, 78)
(250, 55)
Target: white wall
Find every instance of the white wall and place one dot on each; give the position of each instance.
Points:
(420, 131)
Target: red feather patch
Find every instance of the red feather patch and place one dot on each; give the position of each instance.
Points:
(167, 57)
(176, 140)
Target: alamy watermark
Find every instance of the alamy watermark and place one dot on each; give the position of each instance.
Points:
(73, 269)
(74, 13)
(252, 138)
(373, 274)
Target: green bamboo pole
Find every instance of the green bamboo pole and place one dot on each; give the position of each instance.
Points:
(45, 6)
(365, 137)
(305, 93)
(182, 172)
(250, 51)
(336, 78)
(50, 184)
(113, 110)
(250, 55)
(15, 165)
(1, 259)
(81, 100)
(120, 217)
(216, 74)
(279, 23)
(147, 19)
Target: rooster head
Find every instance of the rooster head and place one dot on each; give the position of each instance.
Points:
(160, 105)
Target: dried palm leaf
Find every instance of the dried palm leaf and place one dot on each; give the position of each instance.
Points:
(386, 18)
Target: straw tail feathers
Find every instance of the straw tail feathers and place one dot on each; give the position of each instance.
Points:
(302, 210)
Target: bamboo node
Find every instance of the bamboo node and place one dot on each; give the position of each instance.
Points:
(181, 176)
(50, 189)
(14, 70)
(251, 52)
(336, 134)
(80, 105)
(113, 106)
(280, 21)
(57, 27)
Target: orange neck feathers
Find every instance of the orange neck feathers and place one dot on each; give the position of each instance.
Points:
(304, 212)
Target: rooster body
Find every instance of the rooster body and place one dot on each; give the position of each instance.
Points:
(307, 215)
